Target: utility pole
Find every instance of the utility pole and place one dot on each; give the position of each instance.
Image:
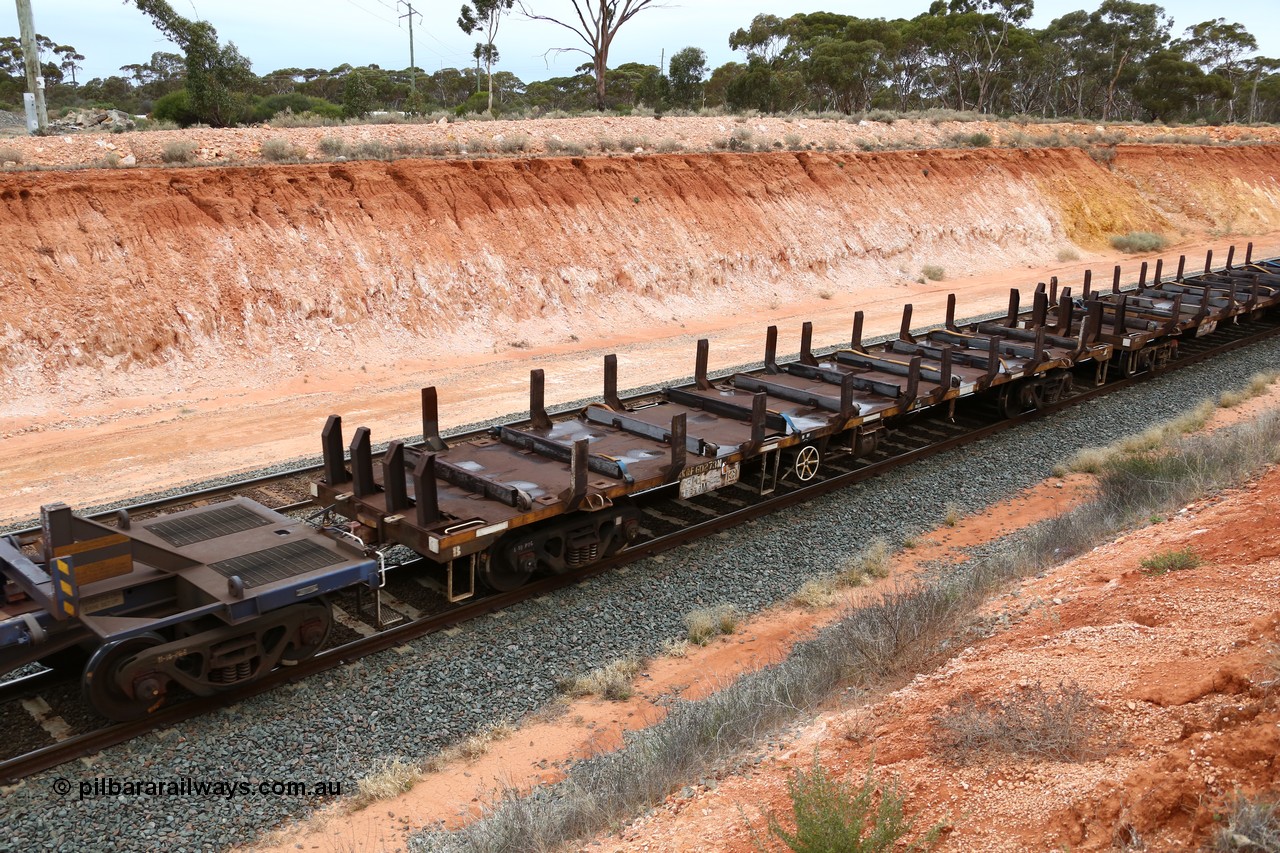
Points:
(412, 65)
(31, 58)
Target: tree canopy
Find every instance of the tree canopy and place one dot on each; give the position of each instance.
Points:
(1123, 60)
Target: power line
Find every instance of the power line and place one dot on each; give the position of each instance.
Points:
(373, 14)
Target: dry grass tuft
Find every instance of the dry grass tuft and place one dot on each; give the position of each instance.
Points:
(1138, 241)
(611, 681)
(470, 748)
(1094, 460)
(872, 561)
(392, 777)
(706, 624)
(673, 647)
(816, 593)
(1058, 725)
(178, 151)
(1258, 385)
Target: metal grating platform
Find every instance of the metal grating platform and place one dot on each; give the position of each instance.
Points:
(201, 527)
(278, 563)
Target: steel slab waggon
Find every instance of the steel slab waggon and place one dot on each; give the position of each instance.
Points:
(198, 601)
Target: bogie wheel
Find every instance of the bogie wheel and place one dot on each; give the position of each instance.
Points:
(504, 571)
(312, 634)
(807, 462)
(1011, 402)
(99, 681)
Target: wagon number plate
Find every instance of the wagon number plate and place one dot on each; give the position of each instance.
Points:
(707, 477)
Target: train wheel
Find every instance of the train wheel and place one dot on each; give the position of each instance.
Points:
(311, 635)
(102, 692)
(1010, 401)
(504, 571)
(807, 462)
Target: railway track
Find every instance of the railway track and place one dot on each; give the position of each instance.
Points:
(420, 610)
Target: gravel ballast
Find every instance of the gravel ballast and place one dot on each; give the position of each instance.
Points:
(412, 701)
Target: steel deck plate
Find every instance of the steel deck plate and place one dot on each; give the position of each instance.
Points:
(279, 563)
(201, 527)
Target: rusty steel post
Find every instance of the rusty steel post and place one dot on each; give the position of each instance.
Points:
(361, 463)
(335, 473)
(537, 400)
(425, 495)
(393, 484)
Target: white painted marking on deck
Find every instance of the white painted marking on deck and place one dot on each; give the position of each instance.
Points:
(52, 723)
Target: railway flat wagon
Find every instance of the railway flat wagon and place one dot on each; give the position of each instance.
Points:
(198, 601)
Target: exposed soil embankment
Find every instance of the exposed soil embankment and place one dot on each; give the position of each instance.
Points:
(109, 270)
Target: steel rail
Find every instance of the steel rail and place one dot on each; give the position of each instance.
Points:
(19, 767)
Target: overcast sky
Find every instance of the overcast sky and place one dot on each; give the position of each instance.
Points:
(326, 33)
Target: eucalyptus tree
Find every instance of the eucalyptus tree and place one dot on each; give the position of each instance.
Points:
(485, 15)
(596, 24)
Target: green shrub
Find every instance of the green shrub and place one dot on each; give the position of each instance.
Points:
(280, 151)
(831, 816)
(970, 140)
(294, 104)
(1163, 562)
(740, 140)
(332, 146)
(477, 103)
(175, 107)
(1139, 241)
(373, 150)
(631, 143)
(178, 151)
(933, 272)
(514, 143)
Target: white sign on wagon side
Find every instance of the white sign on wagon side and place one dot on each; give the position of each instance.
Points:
(707, 477)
